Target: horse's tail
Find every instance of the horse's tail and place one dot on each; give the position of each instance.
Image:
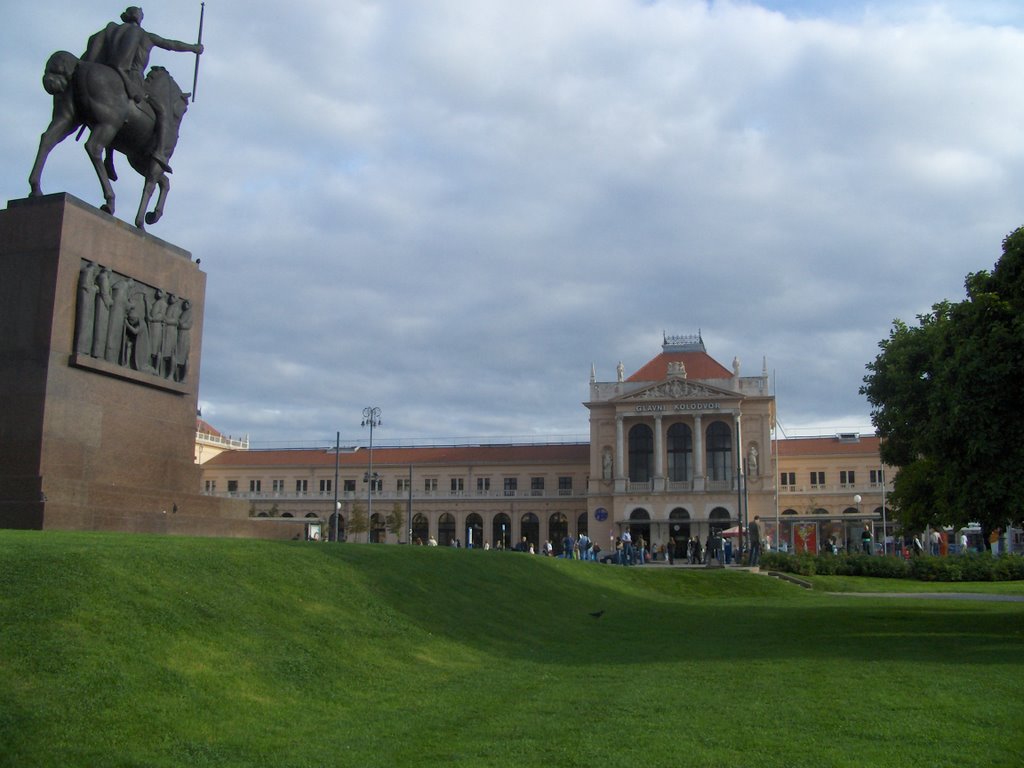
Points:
(57, 75)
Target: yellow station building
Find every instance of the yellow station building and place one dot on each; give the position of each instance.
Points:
(679, 448)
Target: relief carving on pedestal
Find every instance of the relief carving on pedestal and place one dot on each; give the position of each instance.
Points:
(132, 325)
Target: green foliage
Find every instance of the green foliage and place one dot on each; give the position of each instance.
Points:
(1008, 569)
(940, 400)
(973, 567)
(358, 521)
(395, 520)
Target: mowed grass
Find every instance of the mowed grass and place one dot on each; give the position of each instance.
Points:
(124, 650)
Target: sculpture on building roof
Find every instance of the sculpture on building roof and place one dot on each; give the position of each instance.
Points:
(105, 92)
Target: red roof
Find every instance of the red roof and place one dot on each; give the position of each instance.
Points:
(823, 446)
(555, 453)
(699, 365)
(206, 428)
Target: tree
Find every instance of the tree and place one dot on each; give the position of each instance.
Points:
(395, 520)
(946, 400)
(357, 520)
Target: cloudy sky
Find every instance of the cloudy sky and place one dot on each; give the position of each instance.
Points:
(452, 209)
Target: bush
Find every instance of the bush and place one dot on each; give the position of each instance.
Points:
(977, 567)
(778, 561)
(929, 568)
(1009, 568)
(972, 567)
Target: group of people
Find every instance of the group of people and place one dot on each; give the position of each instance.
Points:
(625, 550)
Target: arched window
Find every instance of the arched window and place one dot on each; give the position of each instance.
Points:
(378, 531)
(474, 530)
(529, 526)
(445, 529)
(582, 524)
(719, 451)
(679, 526)
(558, 529)
(641, 451)
(501, 531)
(719, 519)
(420, 528)
(680, 452)
(640, 526)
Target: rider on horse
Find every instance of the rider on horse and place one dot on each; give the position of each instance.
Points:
(126, 47)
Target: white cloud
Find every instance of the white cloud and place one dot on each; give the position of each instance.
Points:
(452, 209)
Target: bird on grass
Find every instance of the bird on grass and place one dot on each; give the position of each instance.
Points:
(598, 614)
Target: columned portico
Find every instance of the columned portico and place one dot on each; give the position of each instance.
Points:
(698, 453)
(620, 455)
(678, 442)
(659, 456)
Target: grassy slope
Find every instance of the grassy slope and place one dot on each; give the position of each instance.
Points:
(138, 651)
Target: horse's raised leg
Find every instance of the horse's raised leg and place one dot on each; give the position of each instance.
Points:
(165, 186)
(141, 217)
(61, 126)
(100, 137)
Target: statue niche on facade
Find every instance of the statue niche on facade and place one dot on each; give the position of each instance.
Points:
(105, 92)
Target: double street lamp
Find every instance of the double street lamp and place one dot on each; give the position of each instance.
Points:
(371, 419)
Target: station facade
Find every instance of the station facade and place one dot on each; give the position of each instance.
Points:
(679, 448)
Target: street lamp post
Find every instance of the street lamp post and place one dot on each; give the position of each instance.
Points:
(371, 419)
(337, 504)
(885, 545)
(857, 500)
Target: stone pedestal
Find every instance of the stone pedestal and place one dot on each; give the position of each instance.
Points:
(98, 433)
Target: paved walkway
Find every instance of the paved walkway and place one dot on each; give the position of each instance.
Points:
(938, 596)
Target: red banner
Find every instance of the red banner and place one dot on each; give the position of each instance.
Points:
(805, 537)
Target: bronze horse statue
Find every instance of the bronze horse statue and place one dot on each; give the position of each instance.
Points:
(92, 95)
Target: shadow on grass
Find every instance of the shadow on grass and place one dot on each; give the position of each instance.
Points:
(515, 606)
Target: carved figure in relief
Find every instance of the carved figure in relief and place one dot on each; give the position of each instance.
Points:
(606, 464)
(155, 318)
(752, 460)
(184, 344)
(136, 332)
(104, 299)
(170, 340)
(86, 308)
(121, 293)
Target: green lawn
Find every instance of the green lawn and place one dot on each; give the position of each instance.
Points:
(121, 650)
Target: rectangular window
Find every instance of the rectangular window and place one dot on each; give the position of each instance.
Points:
(877, 477)
(536, 486)
(403, 485)
(511, 486)
(483, 485)
(376, 483)
(458, 486)
(565, 486)
(846, 478)
(278, 486)
(349, 486)
(302, 487)
(211, 486)
(232, 486)
(430, 484)
(817, 479)
(254, 486)
(325, 486)
(787, 479)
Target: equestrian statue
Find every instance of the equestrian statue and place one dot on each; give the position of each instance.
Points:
(104, 91)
